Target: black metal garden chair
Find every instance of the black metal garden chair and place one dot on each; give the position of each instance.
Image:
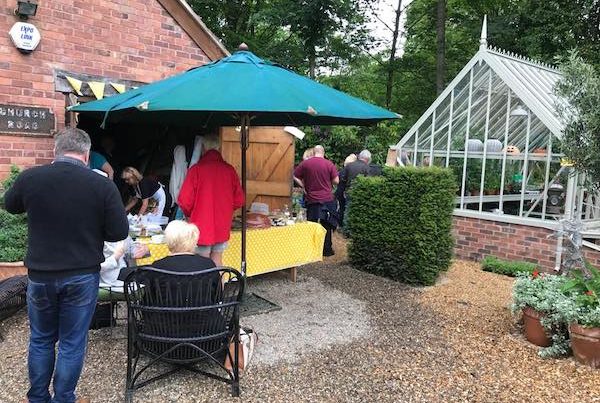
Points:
(184, 320)
(13, 296)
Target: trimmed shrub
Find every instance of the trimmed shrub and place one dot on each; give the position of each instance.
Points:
(506, 267)
(13, 236)
(7, 183)
(401, 223)
(13, 228)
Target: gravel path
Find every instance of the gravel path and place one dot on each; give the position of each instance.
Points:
(384, 342)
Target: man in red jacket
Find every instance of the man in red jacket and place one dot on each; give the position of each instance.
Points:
(210, 193)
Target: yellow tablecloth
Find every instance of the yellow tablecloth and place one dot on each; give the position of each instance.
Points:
(268, 250)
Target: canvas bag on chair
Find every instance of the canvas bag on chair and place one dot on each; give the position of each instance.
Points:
(245, 349)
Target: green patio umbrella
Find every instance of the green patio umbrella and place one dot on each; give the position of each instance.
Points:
(238, 90)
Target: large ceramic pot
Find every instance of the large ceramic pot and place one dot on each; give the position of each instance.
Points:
(474, 145)
(493, 146)
(585, 342)
(9, 269)
(534, 331)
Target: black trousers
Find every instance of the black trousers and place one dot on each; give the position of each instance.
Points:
(313, 213)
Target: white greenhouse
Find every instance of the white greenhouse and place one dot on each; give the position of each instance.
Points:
(497, 127)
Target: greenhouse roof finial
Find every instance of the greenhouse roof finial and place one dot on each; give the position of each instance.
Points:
(483, 39)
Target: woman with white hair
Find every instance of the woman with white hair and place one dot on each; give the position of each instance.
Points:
(181, 238)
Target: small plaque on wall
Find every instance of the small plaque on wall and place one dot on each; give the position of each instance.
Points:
(26, 120)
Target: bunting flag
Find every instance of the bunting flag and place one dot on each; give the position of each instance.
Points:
(97, 88)
(76, 84)
(120, 88)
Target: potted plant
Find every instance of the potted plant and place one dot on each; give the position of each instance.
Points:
(536, 296)
(473, 179)
(491, 185)
(13, 236)
(581, 309)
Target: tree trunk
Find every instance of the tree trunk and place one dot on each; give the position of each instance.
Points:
(440, 70)
(312, 62)
(390, 70)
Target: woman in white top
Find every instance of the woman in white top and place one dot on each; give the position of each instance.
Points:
(114, 261)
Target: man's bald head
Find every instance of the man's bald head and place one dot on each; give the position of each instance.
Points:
(319, 151)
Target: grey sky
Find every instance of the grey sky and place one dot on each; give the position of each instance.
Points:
(386, 11)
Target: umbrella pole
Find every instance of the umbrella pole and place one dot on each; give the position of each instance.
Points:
(245, 124)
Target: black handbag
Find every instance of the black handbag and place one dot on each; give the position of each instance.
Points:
(329, 214)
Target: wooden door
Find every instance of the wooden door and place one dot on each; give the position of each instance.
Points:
(270, 163)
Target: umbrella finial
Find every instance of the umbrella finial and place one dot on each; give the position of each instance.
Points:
(243, 46)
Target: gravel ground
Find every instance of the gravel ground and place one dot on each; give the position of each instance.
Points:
(354, 337)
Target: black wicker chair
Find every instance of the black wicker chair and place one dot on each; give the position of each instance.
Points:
(185, 320)
(13, 296)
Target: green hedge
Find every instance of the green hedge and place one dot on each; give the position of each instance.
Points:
(506, 267)
(13, 228)
(401, 223)
(13, 236)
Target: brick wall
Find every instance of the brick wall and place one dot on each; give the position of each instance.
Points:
(24, 152)
(477, 238)
(119, 39)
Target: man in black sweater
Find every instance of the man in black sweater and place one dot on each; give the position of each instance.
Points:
(71, 211)
(349, 173)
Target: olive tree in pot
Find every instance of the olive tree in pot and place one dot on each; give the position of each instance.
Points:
(13, 235)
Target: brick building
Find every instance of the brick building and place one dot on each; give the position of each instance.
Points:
(112, 44)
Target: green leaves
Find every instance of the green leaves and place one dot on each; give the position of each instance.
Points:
(401, 224)
(13, 236)
(562, 300)
(292, 33)
(580, 88)
(13, 228)
(508, 268)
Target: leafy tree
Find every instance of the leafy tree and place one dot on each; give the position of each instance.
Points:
(547, 29)
(340, 141)
(541, 29)
(580, 87)
(303, 35)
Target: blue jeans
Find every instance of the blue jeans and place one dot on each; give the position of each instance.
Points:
(59, 310)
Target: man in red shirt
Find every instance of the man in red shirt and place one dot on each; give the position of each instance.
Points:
(210, 193)
(317, 176)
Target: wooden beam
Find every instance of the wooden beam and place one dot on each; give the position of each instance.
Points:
(258, 134)
(189, 21)
(268, 188)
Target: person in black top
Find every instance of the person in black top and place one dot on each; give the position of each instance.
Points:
(71, 211)
(340, 190)
(144, 189)
(348, 174)
(181, 238)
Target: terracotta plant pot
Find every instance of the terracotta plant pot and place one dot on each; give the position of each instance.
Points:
(534, 331)
(9, 269)
(585, 342)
